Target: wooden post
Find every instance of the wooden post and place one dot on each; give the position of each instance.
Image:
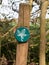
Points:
(30, 3)
(43, 33)
(22, 48)
(0, 46)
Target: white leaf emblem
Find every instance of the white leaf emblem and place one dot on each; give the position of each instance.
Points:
(21, 34)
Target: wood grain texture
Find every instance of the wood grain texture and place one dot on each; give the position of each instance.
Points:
(22, 48)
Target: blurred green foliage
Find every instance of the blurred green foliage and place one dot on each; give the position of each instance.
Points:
(8, 44)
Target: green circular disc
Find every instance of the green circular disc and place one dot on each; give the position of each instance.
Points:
(22, 34)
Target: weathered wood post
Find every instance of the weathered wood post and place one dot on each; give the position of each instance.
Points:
(30, 3)
(0, 48)
(22, 49)
(43, 33)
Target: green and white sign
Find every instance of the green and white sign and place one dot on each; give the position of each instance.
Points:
(22, 34)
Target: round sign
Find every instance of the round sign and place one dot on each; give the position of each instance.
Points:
(22, 34)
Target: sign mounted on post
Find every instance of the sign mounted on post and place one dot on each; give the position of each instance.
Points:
(23, 22)
(22, 34)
